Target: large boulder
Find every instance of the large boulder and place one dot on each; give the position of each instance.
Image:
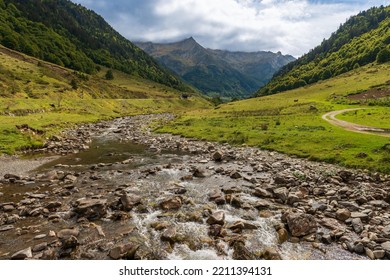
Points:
(301, 224)
(91, 208)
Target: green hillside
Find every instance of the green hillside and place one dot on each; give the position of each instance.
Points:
(50, 98)
(363, 39)
(290, 122)
(69, 35)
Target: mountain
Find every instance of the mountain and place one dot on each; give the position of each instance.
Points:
(70, 35)
(363, 39)
(217, 72)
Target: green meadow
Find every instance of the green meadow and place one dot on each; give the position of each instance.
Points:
(290, 122)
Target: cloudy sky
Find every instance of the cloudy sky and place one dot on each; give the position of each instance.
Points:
(290, 26)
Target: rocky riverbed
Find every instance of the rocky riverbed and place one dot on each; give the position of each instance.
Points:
(121, 192)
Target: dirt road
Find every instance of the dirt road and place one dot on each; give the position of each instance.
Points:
(331, 118)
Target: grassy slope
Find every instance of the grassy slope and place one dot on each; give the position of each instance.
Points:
(28, 87)
(280, 123)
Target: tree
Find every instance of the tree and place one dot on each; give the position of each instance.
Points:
(109, 75)
(383, 56)
(73, 84)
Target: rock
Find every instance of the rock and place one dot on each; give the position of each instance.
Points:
(129, 202)
(271, 254)
(169, 234)
(379, 254)
(362, 216)
(66, 233)
(199, 173)
(6, 228)
(301, 224)
(126, 251)
(215, 230)
(70, 242)
(40, 236)
(8, 208)
(292, 198)
(359, 248)
(217, 218)
(217, 156)
(217, 196)
(171, 203)
(22, 255)
(40, 247)
(386, 246)
(386, 230)
(357, 225)
(92, 208)
(370, 253)
(12, 176)
(240, 252)
(235, 175)
(53, 205)
(281, 193)
(282, 235)
(343, 214)
(260, 192)
(70, 178)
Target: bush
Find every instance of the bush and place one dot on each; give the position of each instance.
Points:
(383, 56)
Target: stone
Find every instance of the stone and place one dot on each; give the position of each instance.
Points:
(343, 214)
(40, 247)
(8, 208)
(240, 252)
(169, 234)
(22, 255)
(126, 251)
(359, 248)
(129, 202)
(217, 196)
(66, 233)
(379, 254)
(92, 208)
(292, 198)
(53, 205)
(40, 236)
(172, 203)
(217, 156)
(301, 224)
(199, 173)
(362, 216)
(370, 253)
(235, 175)
(282, 235)
(386, 230)
(70, 242)
(6, 228)
(217, 218)
(260, 192)
(357, 225)
(386, 246)
(281, 193)
(271, 253)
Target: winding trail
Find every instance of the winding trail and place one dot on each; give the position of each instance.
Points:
(331, 118)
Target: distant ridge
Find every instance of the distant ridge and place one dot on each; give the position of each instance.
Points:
(217, 72)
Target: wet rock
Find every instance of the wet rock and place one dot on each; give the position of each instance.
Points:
(169, 234)
(281, 193)
(66, 233)
(91, 208)
(172, 203)
(217, 196)
(126, 251)
(40, 247)
(216, 218)
(199, 173)
(271, 254)
(357, 225)
(260, 192)
(70, 243)
(215, 230)
(240, 252)
(6, 228)
(343, 214)
(282, 235)
(22, 255)
(129, 202)
(301, 224)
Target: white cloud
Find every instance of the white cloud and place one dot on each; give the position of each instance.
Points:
(290, 26)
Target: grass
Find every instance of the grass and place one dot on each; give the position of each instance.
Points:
(291, 123)
(41, 95)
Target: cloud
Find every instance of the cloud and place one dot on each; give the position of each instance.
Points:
(290, 26)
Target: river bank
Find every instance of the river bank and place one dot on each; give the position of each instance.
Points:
(120, 191)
